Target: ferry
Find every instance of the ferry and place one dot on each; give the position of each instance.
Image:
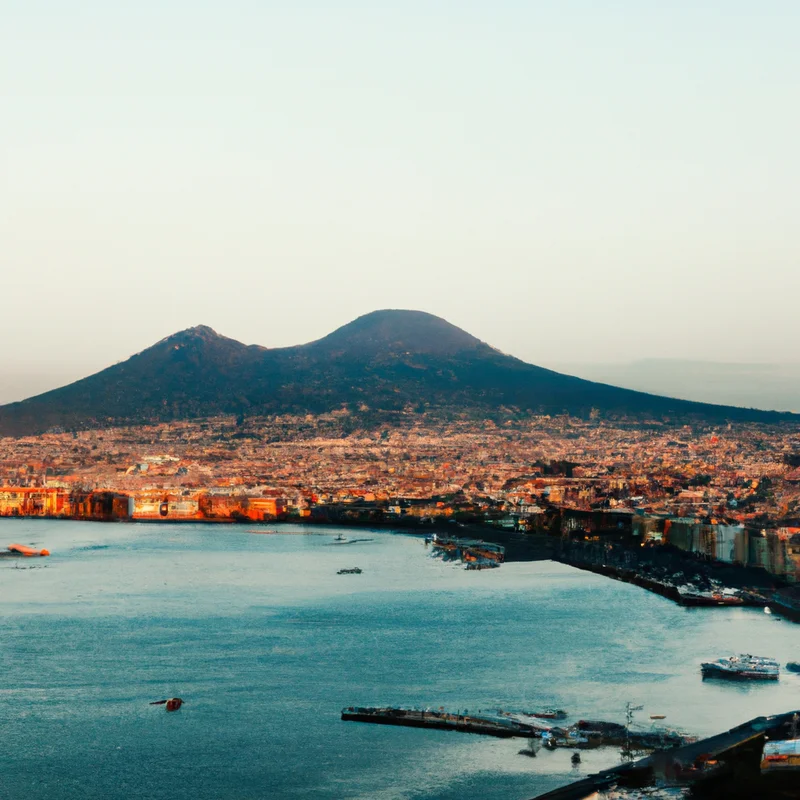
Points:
(742, 667)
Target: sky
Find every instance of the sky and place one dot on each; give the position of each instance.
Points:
(570, 181)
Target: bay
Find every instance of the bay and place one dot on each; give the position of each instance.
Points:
(266, 643)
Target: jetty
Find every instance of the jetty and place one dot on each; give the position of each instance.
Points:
(440, 720)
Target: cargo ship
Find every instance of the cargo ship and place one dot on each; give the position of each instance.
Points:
(742, 667)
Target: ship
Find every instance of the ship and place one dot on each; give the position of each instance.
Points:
(742, 667)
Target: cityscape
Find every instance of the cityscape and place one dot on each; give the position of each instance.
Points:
(739, 483)
(400, 401)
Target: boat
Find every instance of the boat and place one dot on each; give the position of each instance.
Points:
(24, 550)
(546, 713)
(353, 571)
(793, 666)
(570, 739)
(690, 596)
(344, 540)
(742, 667)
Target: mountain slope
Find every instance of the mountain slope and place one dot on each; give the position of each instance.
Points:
(385, 361)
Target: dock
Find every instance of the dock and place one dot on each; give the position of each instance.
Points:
(737, 753)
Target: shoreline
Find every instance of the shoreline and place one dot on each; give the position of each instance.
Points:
(613, 560)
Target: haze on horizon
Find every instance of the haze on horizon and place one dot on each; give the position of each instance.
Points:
(569, 183)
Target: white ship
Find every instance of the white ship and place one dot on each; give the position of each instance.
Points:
(743, 667)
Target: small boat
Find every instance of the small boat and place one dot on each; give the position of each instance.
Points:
(172, 704)
(793, 666)
(658, 716)
(571, 739)
(353, 571)
(24, 550)
(546, 713)
(688, 596)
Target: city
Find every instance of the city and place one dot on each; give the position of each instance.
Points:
(545, 474)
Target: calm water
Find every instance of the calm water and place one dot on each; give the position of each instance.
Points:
(266, 643)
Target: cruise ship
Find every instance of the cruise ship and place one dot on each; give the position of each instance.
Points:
(742, 667)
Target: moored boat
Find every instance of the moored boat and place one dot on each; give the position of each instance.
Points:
(690, 596)
(547, 713)
(742, 667)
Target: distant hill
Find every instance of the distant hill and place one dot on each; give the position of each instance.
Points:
(382, 362)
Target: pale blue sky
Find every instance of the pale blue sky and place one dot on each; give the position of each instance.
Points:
(570, 181)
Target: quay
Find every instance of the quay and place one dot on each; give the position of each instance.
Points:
(743, 599)
(440, 720)
(728, 764)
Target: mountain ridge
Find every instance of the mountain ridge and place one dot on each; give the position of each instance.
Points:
(385, 361)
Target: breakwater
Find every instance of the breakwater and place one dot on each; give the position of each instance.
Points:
(439, 720)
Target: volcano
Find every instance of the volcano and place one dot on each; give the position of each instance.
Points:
(382, 363)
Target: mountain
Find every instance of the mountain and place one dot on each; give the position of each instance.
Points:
(380, 363)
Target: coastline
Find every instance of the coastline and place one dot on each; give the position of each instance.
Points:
(645, 568)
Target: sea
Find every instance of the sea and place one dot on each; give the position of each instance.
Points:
(266, 643)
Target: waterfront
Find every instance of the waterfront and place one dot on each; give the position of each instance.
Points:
(266, 644)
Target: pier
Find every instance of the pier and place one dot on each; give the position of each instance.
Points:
(440, 720)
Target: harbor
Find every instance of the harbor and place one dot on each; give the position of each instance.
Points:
(286, 642)
(582, 734)
(729, 765)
